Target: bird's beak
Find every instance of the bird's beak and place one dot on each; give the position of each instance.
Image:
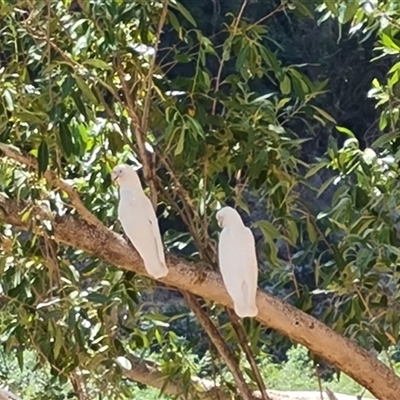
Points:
(219, 222)
(114, 177)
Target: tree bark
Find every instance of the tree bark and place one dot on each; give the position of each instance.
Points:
(342, 353)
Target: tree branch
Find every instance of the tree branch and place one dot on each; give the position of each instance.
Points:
(147, 373)
(140, 135)
(149, 78)
(53, 181)
(249, 354)
(7, 395)
(220, 345)
(340, 352)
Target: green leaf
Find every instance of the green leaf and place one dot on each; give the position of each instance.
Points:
(324, 114)
(389, 42)
(273, 251)
(345, 131)
(351, 10)
(67, 145)
(331, 4)
(268, 229)
(311, 231)
(283, 102)
(43, 157)
(79, 104)
(316, 168)
(85, 89)
(325, 185)
(285, 85)
(174, 21)
(197, 129)
(303, 9)
(184, 11)
(9, 100)
(95, 62)
(58, 342)
(181, 143)
(384, 139)
(293, 232)
(27, 116)
(97, 298)
(270, 59)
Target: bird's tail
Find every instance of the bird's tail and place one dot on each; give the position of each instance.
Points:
(246, 310)
(157, 269)
(247, 306)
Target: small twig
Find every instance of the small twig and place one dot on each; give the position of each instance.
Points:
(281, 7)
(49, 48)
(320, 385)
(77, 386)
(222, 62)
(149, 78)
(247, 350)
(330, 394)
(183, 193)
(371, 316)
(139, 134)
(292, 267)
(220, 345)
(54, 181)
(189, 213)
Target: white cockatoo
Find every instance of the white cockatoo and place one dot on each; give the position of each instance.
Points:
(139, 220)
(238, 261)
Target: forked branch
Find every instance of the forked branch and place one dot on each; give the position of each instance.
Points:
(220, 345)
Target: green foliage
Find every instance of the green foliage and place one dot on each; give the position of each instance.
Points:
(224, 117)
(297, 373)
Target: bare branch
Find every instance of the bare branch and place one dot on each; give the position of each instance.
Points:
(140, 135)
(222, 62)
(149, 78)
(220, 345)
(249, 354)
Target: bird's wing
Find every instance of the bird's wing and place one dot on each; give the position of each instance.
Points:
(231, 259)
(152, 218)
(249, 247)
(251, 264)
(238, 264)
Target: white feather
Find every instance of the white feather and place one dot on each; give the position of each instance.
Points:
(238, 262)
(139, 221)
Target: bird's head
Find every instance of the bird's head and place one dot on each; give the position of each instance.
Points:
(123, 174)
(228, 216)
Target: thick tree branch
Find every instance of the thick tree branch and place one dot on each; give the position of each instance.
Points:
(340, 352)
(220, 345)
